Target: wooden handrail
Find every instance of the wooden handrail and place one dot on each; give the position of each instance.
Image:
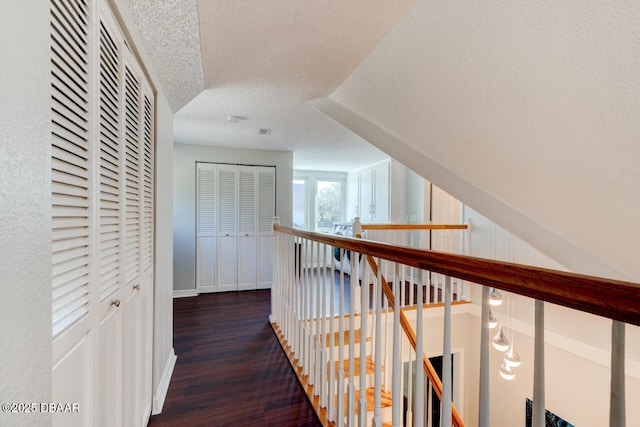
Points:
(436, 383)
(414, 226)
(614, 299)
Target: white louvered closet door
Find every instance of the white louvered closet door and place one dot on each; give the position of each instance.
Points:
(206, 226)
(132, 309)
(109, 330)
(266, 206)
(71, 186)
(227, 228)
(247, 228)
(102, 223)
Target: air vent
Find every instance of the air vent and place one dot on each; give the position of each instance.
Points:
(264, 131)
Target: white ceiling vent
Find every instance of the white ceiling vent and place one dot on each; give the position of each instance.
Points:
(264, 131)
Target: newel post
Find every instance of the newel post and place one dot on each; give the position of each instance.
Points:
(275, 278)
(357, 227)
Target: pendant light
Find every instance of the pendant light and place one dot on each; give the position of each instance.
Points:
(506, 372)
(495, 297)
(511, 357)
(500, 341)
(493, 322)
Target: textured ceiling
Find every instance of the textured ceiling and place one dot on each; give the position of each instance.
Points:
(170, 31)
(263, 61)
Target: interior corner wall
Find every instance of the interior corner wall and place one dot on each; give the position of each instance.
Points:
(163, 354)
(184, 218)
(25, 210)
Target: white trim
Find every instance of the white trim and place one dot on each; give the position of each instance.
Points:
(184, 293)
(201, 290)
(163, 385)
(570, 345)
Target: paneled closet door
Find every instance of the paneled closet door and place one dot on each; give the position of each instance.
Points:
(227, 228)
(247, 228)
(207, 227)
(266, 211)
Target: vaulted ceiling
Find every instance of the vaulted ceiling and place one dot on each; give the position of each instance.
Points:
(261, 62)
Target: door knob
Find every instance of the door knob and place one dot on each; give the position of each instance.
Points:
(136, 287)
(116, 302)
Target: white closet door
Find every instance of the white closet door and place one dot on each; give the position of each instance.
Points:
(266, 211)
(227, 228)
(366, 194)
(207, 227)
(72, 200)
(381, 192)
(247, 243)
(131, 317)
(109, 331)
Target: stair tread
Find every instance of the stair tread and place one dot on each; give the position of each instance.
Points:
(336, 336)
(385, 399)
(370, 366)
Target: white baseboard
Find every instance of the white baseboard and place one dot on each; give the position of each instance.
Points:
(163, 386)
(184, 293)
(206, 289)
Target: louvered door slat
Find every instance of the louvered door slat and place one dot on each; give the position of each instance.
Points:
(266, 199)
(227, 196)
(206, 199)
(247, 201)
(110, 159)
(70, 163)
(147, 182)
(132, 175)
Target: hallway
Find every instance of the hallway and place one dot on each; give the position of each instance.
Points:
(231, 370)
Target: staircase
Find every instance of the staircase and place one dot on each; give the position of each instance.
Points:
(367, 382)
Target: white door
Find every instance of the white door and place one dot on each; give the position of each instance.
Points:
(266, 211)
(247, 228)
(353, 196)
(206, 226)
(366, 195)
(380, 192)
(227, 228)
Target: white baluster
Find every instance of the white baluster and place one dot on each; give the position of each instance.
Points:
(362, 401)
(396, 388)
(484, 391)
(318, 319)
(341, 375)
(312, 336)
(410, 397)
(332, 361)
(418, 416)
(538, 418)
(446, 356)
(617, 416)
(323, 331)
(351, 388)
(377, 421)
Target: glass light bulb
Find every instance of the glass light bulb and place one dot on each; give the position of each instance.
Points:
(506, 372)
(493, 322)
(500, 341)
(512, 358)
(495, 297)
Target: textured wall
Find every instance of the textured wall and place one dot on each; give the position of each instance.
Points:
(25, 210)
(533, 111)
(184, 217)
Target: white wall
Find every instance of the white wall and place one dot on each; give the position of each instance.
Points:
(184, 218)
(528, 112)
(25, 210)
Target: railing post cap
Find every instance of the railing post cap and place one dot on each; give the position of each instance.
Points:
(276, 220)
(357, 226)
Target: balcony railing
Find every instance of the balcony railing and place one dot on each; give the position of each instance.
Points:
(361, 354)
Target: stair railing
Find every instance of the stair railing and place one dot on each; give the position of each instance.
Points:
(304, 277)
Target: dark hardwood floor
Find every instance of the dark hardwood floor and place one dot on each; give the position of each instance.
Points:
(231, 370)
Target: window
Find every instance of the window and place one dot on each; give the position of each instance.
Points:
(319, 200)
(299, 203)
(329, 206)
